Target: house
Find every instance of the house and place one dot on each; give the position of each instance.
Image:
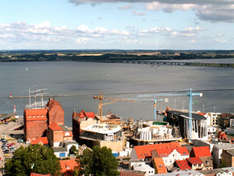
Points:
(183, 165)
(143, 167)
(169, 152)
(159, 166)
(218, 150)
(203, 152)
(68, 167)
(195, 163)
(228, 158)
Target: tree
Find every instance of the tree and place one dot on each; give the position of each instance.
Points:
(34, 158)
(73, 150)
(98, 162)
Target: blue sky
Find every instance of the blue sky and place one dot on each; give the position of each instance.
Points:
(117, 24)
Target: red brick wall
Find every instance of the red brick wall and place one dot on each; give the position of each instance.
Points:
(56, 113)
(58, 136)
(35, 129)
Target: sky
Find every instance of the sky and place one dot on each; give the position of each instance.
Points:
(116, 24)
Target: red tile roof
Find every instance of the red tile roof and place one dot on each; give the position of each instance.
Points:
(183, 165)
(194, 160)
(35, 174)
(163, 150)
(55, 127)
(84, 114)
(68, 165)
(202, 151)
(41, 140)
(159, 166)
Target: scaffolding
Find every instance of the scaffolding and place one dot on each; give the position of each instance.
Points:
(36, 99)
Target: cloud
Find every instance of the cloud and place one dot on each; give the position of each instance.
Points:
(23, 34)
(207, 10)
(188, 32)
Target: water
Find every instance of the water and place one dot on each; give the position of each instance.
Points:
(89, 79)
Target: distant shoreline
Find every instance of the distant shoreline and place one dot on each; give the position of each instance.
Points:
(134, 57)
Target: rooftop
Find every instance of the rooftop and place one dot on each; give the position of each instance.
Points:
(224, 146)
(183, 165)
(186, 115)
(162, 150)
(194, 160)
(202, 151)
(231, 152)
(182, 173)
(159, 165)
(68, 165)
(83, 114)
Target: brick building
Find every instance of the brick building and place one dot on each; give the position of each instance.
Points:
(35, 123)
(57, 134)
(55, 112)
(37, 119)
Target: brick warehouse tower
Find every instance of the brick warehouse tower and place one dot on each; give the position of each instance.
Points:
(35, 116)
(38, 115)
(55, 112)
(35, 123)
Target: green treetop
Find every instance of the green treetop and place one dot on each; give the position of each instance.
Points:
(98, 162)
(34, 158)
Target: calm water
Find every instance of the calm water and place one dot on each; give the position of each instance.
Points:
(88, 79)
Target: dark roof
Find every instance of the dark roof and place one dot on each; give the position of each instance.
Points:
(231, 152)
(186, 114)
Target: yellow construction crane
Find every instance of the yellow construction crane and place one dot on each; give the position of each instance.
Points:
(101, 98)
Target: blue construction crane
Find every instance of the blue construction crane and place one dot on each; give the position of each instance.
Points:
(190, 94)
(155, 106)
